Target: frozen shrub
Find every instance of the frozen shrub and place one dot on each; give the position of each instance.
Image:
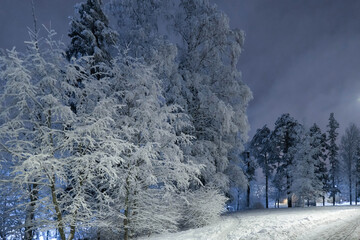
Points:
(202, 207)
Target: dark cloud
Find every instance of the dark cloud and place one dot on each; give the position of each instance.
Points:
(300, 57)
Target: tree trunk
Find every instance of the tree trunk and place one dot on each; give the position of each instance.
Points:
(350, 189)
(60, 222)
(267, 191)
(30, 212)
(334, 193)
(323, 197)
(52, 180)
(248, 188)
(356, 191)
(266, 183)
(73, 227)
(308, 202)
(289, 201)
(127, 210)
(289, 197)
(248, 196)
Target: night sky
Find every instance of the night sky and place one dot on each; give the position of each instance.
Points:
(300, 57)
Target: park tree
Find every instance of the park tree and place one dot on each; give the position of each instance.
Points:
(306, 183)
(216, 98)
(333, 156)
(91, 35)
(348, 150)
(261, 149)
(357, 174)
(104, 142)
(286, 135)
(199, 73)
(318, 144)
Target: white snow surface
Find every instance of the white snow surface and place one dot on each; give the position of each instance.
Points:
(339, 222)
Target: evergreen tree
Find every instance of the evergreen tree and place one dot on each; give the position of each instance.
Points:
(357, 174)
(348, 151)
(333, 155)
(261, 148)
(90, 34)
(306, 184)
(249, 167)
(285, 137)
(318, 144)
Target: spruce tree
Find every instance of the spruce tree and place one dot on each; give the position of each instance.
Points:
(260, 147)
(286, 135)
(93, 39)
(90, 33)
(333, 155)
(357, 174)
(319, 144)
(306, 185)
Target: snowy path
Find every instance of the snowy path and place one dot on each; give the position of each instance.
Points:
(342, 228)
(331, 223)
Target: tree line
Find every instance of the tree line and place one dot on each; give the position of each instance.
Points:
(133, 128)
(305, 164)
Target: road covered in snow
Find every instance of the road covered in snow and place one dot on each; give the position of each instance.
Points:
(332, 223)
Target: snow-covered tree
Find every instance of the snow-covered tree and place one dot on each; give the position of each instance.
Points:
(305, 184)
(318, 144)
(52, 149)
(216, 98)
(29, 109)
(261, 149)
(137, 23)
(286, 135)
(143, 28)
(349, 144)
(18, 119)
(11, 217)
(125, 144)
(154, 170)
(91, 35)
(196, 207)
(357, 174)
(249, 167)
(200, 77)
(333, 155)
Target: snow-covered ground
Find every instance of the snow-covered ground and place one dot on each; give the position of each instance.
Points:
(339, 222)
